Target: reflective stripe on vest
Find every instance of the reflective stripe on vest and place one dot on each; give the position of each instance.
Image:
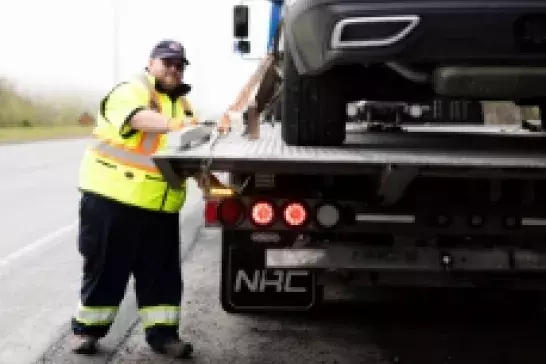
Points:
(149, 143)
(166, 315)
(138, 157)
(125, 156)
(102, 315)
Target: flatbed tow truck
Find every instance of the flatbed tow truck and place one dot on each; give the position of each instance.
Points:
(398, 204)
(432, 206)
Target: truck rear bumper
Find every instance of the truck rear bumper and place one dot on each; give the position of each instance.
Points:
(276, 274)
(418, 259)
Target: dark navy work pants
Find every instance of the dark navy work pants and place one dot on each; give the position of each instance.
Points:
(115, 241)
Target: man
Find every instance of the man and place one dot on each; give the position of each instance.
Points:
(129, 216)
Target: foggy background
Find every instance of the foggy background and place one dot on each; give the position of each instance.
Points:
(66, 48)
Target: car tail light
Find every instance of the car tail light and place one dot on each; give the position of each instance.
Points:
(262, 213)
(295, 214)
(328, 215)
(211, 212)
(231, 212)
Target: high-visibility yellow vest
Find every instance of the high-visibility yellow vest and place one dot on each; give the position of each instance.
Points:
(119, 164)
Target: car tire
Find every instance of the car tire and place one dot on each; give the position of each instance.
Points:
(313, 107)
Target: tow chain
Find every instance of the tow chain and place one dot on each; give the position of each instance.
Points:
(207, 163)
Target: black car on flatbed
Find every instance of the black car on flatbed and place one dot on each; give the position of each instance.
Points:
(339, 51)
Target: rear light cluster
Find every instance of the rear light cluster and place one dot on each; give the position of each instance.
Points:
(265, 213)
(262, 213)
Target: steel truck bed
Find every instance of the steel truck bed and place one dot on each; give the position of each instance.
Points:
(456, 148)
(433, 206)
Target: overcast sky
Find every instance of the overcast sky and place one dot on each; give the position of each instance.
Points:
(69, 44)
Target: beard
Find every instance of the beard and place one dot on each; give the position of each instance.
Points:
(170, 81)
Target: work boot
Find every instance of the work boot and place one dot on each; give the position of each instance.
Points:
(175, 348)
(84, 344)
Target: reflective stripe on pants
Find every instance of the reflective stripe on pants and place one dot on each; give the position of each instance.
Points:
(163, 315)
(99, 315)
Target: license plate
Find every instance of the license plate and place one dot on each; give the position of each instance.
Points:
(253, 286)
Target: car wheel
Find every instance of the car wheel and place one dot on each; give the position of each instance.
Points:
(313, 107)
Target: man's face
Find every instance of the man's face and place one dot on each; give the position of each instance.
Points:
(167, 71)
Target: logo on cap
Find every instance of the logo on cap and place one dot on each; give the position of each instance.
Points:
(175, 46)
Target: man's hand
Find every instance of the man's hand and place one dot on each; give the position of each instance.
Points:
(176, 124)
(181, 123)
(224, 124)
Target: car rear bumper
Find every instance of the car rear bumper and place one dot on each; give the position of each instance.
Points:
(324, 33)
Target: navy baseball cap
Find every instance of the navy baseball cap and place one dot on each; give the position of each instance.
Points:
(169, 49)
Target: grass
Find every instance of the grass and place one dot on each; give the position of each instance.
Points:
(23, 118)
(19, 134)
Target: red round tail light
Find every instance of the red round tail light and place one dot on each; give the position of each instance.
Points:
(231, 212)
(211, 212)
(262, 213)
(295, 214)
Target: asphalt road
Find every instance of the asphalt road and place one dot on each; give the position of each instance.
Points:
(439, 329)
(39, 262)
(39, 275)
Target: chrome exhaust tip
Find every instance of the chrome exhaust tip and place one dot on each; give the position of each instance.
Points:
(376, 31)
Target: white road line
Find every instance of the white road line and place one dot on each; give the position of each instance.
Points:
(43, 241)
